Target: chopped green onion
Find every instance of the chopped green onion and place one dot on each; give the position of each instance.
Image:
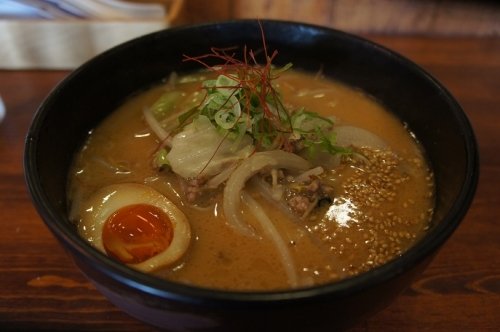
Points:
(161, 159)
(227, 116)
(226, 86)
(244, 101)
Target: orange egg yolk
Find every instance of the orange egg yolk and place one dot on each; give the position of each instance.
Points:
(136, 233)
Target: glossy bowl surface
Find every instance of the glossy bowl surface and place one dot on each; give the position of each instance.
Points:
(95, 89)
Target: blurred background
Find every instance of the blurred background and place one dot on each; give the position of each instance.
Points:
(447, 17)
(61, 34)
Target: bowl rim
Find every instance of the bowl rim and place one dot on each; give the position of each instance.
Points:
(195, 294)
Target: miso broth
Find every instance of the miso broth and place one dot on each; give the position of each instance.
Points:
(361, 208)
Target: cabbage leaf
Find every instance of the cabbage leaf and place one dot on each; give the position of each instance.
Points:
(201, 149)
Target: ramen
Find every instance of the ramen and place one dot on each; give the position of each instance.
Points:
(251, 178)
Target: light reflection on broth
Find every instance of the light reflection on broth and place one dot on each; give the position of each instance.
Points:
(381, 200)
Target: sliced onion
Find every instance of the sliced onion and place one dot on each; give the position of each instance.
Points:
(221, 177)
(359, 137)
(155, 125)
(273, 234)
(307, 174)
(267, 193)
(248, 168)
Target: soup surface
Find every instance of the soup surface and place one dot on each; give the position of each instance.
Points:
(349, 211)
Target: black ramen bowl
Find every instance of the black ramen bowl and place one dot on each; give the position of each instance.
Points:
(99, 86)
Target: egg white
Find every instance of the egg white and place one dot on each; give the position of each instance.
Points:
(102, 204)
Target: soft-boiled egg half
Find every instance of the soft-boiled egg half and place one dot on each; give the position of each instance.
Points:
(136, 225)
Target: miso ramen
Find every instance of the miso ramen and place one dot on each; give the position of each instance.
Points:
(231, 179)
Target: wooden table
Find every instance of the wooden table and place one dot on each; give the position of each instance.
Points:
(42, 289)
